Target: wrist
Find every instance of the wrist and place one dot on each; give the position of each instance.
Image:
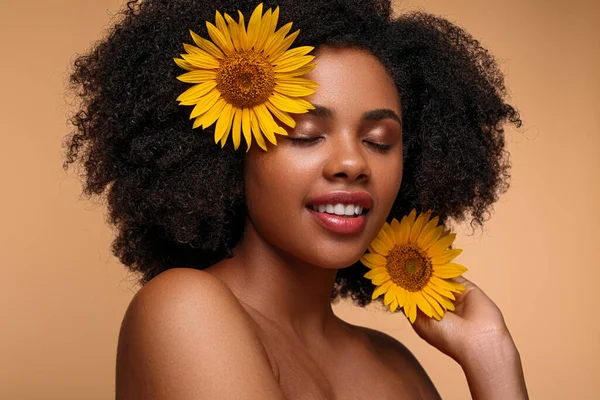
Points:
(493, 368)
(491, 349)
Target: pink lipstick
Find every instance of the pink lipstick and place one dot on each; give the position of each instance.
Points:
(341, 212)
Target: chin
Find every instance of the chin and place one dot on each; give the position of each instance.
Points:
(337, 259)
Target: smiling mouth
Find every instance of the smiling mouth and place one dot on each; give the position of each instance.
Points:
(341, 210)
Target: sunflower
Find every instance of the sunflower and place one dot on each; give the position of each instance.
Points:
(246, 77)
(410, 265)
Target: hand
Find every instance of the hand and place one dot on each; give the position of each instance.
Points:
(475, 323)
(475, 335)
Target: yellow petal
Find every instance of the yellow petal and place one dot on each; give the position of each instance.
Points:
(281, 115)
(222, 27)
(205, 104)
(437, 308)
(254, 24)
(293, 53)
(293, 90)
(427, 230)
(408, 304)
(394, 305)
(296, 73)
(265, 27)
(296, 81)
(417, 228)
(446, 256)
(201, 61)
(194, 94)
(380, 247)
(277, 51)
(380, 279)
(410, 218)
(184, 64)
(381, 289)
(441, 245)
(448, 271)
(401, 295)
(390, 296)
(219, 39)
(443, 301)
(404, 232)
(227, 118)
(448, 285)
(375, 259)
(227, 132)
(234, 33)
(243, 34)
(266, 122)
(193, 49)
(246, 127)
(209, 118)
(260, 141)
(423, 304)
(442, 290)
(428, 239)
(197, 76)
(387, 233)
(274, 40)
(287, 104)
(274, 21)
(207, 46)
(374, 272)
(237, 128)
(413, 314)
(223, 122)
(395, 225)
(293, 64)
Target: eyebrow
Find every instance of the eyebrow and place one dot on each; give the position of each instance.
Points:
(372, 115)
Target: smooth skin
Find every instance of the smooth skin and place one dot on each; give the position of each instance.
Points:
(260, 324)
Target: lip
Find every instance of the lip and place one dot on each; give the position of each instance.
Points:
(338, 224)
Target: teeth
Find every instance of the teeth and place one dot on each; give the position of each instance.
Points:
(339, 209)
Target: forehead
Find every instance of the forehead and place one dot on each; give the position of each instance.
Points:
(352, 79)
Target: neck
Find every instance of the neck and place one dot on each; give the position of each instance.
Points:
(291, 293)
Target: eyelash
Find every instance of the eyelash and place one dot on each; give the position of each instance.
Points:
(379, 146)
(304, 140)
(309, 140)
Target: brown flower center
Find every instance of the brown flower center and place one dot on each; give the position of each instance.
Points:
(245, 79)
(409, 267)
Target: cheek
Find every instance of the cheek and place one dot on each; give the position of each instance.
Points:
(389, 185)
(275, 190)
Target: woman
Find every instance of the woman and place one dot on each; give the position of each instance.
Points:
(239, 262)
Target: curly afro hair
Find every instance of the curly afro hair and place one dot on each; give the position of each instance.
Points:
(163, 181)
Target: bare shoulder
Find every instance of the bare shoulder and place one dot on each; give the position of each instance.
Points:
(186, 336)
(400, 358)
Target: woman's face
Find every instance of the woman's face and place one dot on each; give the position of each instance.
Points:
(344, 158)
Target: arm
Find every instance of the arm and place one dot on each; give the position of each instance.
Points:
(185, 336)
(475, 335)
(494, 371)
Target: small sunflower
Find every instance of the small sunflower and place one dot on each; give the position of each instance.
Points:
(245, 77)
(410, 264)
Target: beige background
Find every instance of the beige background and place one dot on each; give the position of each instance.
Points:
(62, 294)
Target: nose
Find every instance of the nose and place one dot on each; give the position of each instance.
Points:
(347, 161)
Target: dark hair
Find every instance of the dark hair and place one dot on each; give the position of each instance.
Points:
(177, 199)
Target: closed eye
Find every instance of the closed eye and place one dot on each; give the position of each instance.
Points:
(299, 141)
(379, 146)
